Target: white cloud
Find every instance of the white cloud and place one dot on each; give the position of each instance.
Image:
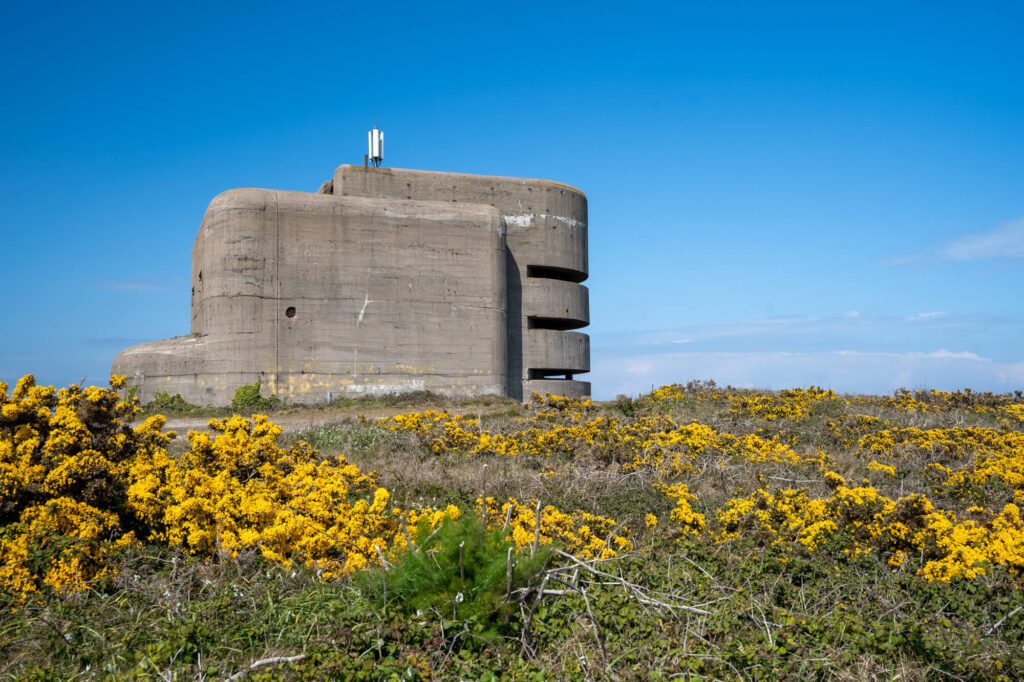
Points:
(773, 325)
(1005, 241)
(1012, 374)
(845, 371)
(924, 317)
(828, 332)
(640, 368)
(948, 355)
(866, 353)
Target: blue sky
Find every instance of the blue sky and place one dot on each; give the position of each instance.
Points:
(780, 194)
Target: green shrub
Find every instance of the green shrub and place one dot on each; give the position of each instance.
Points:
(248, 398)
(165, 402)
(625, 405)
(434, 578)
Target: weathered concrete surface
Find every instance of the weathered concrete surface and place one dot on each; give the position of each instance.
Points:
(562, 305)
(552, 351)
(546, 221)
(386, 296)
(571, 389)
(382, 281)
(546, 224)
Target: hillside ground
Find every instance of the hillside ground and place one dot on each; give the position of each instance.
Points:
(698, 532)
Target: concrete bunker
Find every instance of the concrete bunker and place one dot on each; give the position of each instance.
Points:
(384, 281)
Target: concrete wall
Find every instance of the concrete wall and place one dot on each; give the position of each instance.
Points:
(384, 281)
(546, 224)
(388, 296)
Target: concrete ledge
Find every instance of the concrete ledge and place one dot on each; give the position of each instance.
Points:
(553, 241)
(209, 370)
(170, 365)
(557, 351)
(565, 387)
(557, 300)
(406, 183)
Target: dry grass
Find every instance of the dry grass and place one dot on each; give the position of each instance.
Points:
(770, 614)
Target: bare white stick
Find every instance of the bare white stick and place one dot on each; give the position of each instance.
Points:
(536, 531)
(635, 590)
(266, 661)
(462, 570)
(508, 574)
(408, 540)
(597, 630)
(1011, 614)
(483, 497)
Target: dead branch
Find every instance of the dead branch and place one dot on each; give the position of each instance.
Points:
(635, 590)
(266, 661)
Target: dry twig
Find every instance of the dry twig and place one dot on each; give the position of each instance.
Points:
(266, 661)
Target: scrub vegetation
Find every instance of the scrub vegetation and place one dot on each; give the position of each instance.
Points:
(695, 532)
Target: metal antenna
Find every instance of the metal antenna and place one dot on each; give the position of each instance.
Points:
(376, 145)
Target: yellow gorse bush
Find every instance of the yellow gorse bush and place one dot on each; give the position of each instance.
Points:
(866, 521)
(793, 403)
(240, 491)
(847, 430)
(63, 458)
(646, 442)
(683, 514)
(963, 461)
(966, 400)
(77, 483)
(969, 464)
(699, 391)
(969, 460)
(586, 535)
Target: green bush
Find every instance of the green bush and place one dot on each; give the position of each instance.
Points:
(626, 405)
(248, 398)
(473, 590)
(167, 403)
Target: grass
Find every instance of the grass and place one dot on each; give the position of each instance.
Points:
(756, 612)
(166, 616)
(174, 406)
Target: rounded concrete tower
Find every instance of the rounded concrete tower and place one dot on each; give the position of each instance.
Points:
(546, 234)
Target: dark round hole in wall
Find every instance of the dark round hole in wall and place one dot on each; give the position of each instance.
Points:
(289, 312)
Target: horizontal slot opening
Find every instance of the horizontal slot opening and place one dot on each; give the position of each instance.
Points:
(558, 323)
(549, 374)
(548, 272)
